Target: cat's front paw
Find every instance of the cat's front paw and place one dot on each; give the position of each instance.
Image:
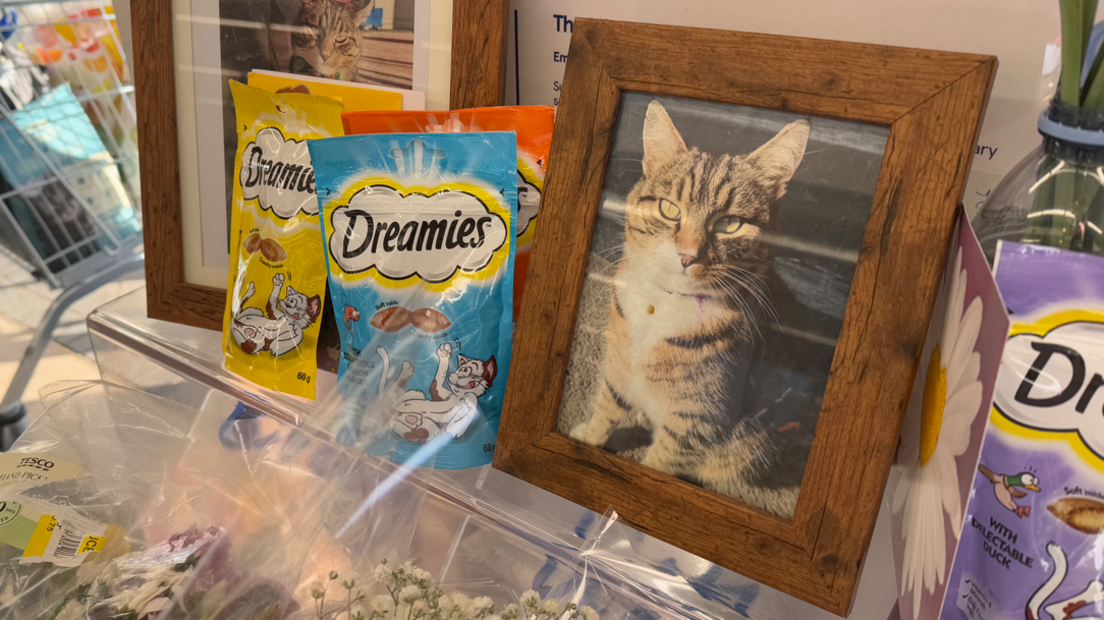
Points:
(444, 351)
(278, 280)
(250, 290)
(579, 432)
(656, 458)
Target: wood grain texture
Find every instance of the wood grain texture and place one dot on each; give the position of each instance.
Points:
(478, 79)
(809, 76)
(167, 296)
(155, 90)
(478, 53)
(933, 102)
(921, 182)
(573, 185)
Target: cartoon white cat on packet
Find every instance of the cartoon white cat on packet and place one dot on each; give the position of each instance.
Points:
(452, 402)
(279, 329)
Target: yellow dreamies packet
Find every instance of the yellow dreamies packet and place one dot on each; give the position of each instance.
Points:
(352, 95)
(277, 281)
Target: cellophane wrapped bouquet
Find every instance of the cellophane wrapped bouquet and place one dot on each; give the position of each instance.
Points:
(117, 504)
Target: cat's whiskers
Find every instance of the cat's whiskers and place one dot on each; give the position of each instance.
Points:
(755, 291)
(733, 294)
(605, 274)
(742, 277)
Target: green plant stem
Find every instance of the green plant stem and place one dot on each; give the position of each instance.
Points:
(1065, 199)
(1073, 46)
(1094, 86)
(1088, 18)
(1092, 89)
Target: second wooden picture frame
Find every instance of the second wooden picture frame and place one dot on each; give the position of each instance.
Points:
(478, 66)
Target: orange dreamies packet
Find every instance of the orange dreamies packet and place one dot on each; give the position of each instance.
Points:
(533, 126)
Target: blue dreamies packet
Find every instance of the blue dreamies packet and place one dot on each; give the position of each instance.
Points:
(419, 236)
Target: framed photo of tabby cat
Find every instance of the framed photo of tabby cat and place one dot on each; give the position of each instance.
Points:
(744, 236)
(451, 53)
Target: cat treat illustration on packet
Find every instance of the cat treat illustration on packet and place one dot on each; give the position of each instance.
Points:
(533, 126)
(277, 281)
(419, 240)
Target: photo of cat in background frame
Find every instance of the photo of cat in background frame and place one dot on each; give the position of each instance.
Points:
(720, 269)
(367, 41)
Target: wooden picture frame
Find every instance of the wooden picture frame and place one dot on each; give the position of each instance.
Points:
(932, 103)
(478, 74)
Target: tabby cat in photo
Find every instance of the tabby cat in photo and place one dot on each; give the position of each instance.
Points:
(325, 40)
(692, 300)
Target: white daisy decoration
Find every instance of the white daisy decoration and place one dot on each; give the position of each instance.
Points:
(936, 431)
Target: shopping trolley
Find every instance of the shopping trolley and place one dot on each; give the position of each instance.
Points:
(69, 192)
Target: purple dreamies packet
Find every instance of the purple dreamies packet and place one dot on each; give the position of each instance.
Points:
(1033, 539)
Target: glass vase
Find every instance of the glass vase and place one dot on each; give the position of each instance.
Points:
(1053, 196)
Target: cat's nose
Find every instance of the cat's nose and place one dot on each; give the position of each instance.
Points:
(688, 259)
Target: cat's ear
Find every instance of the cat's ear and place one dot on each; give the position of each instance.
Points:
(662, 142)
(363, 8)
(462, 359)
(778, 159)
(490, 371)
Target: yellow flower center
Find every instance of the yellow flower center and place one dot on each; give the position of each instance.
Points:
(931, 414)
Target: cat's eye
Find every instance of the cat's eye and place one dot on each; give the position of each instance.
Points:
(728, 224)
(668, 210)
(338, 40)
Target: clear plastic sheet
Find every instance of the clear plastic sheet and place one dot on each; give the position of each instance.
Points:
(197, 516)
(240, 516)
(476, 525)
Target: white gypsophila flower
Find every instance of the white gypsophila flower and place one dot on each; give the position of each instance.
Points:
(464, 603)
(409, 594)
(935, 432)
(551, 607)
(587, 613)
(420, 574)
(530, 598)
(483, 605)
(317, 590)
(512, 608)
(382, 573)
(381, 602)
(72, 611)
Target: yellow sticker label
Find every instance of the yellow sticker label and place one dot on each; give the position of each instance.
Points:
(44, 531)
(92, 543)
